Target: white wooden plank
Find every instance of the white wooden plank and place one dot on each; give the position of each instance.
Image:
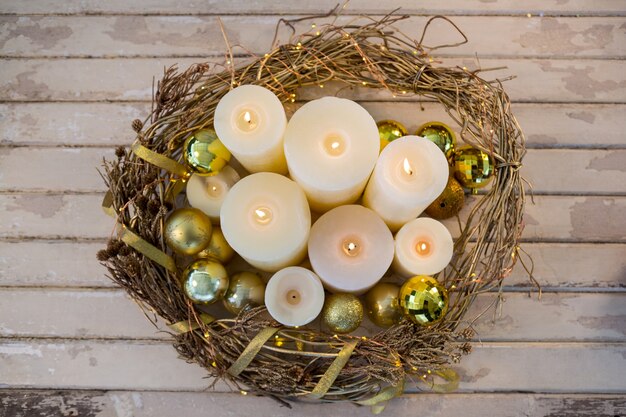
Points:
(107, 124)
(452, 7)
(18, 403)
(542, 367)
(110, 314)
(538, 80)
(100, 36)
(549, 171)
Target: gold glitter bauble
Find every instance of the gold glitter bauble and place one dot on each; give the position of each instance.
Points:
(218, 247)
(473, 168)
(449, 203)
(342, 313)
(390, 130)
(423, 300)
(382, 305)
(187, 231)
(205, 281)
(245, 289)
(204, 153)
(441, 135)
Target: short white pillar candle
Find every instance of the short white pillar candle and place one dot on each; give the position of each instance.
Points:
(409, 175)
(350, 248)
(250, 121)
(423, 246)
(207, 193)
(294, 296)
(331, 146)
(266, 219)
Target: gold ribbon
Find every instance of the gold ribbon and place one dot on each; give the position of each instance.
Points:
(137, 242)
(251, 351)
(448, 375)
(333, 370)
(159, 160)
(379, 401)
(186, 326)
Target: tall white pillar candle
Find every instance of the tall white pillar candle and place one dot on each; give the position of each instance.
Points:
(423, 246)
(250, 121)
(350, 248)
(207, 193)
(331, 146)
(266, 219)
(294, 296)
(409, 175)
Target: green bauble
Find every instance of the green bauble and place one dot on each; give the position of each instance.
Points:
(390, 130)
(441, 135)
(204, 153)
(205, 281)
(473, 168)
(423, 300)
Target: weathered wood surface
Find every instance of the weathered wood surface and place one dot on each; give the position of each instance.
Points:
(75, 73)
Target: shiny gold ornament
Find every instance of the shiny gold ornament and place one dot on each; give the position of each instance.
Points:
(382, 305)
(342, 313)
(205, 281)
(390, 130)
(441, 135)
(473, 168)
(187, 231)
(423, 300)
(204, 153)
(218, 247)
(245, 289)
(449, 203)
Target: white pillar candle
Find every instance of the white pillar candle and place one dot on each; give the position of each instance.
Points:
(331, 146)
(294, 296)
(350, 248)
(207, 193)
(266, 219)
(409, 175)
(250, 121)
(423, 246)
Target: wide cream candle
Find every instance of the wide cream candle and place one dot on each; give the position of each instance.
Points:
(423, 246)
(331, 146)
(294, 296)
(350, 248)
(207, 193)
(409, 175)
(266, 219)
(250, 121)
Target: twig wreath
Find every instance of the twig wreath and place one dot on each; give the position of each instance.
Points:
(144, 181)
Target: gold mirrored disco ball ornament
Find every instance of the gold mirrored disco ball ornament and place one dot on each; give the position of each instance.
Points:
(449, 202)
(473, 168)
(342, 313)
(423, 300)
(187, 231)
(205, 281)
(204, 153)
(382, 304)
(245, 289)
(441, 135)
(390, 130)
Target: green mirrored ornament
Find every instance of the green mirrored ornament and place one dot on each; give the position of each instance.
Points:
(204, 153)
(441, 135)
(205, 281)
(390, 130)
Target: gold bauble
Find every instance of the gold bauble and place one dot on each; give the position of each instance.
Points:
(382, 306)
(342, 313)
(449, 203)
(218, 247)
(423, 300)
(245, 289)
(204, 153)
(441, 135)
(187, 231)
(390, 130)
(473, 168)
(205, 281)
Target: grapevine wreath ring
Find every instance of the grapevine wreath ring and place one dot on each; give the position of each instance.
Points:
(144, 182)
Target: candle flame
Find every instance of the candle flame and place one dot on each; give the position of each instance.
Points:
(407, 167)
(261, 214)
(334, 145)
(247, 117)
